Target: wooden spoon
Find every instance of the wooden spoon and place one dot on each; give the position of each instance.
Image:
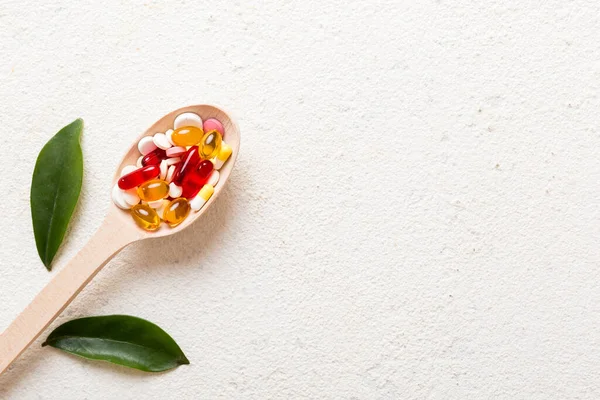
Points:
(117, 231)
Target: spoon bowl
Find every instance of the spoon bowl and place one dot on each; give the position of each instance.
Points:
(117, 231)
(231, 137)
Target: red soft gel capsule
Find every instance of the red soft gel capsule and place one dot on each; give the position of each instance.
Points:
(189, 162)
(154, 157)
(139, 176)
(194, 180)
(205, 167)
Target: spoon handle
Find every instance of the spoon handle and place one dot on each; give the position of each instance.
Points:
(62, 289)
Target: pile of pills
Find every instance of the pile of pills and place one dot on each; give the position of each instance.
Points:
(176, 172)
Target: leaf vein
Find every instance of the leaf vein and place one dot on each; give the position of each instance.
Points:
(52, 216)
(105, 340)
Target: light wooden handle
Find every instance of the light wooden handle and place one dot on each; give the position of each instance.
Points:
(61, 290)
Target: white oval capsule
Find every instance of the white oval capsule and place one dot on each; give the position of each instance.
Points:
(175, 190)
(187, 119)
(170, 173)
(161, 141)
(173, 160)
(139, 162)
(164, 167)
(213, 179)
(118, 199)
(205, 193)
(128, 169)
(169, 135)
(146, 145)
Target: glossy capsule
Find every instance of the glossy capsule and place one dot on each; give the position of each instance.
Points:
(200, 200)
(187, 136)
(146, 217)
(153, 190)
(154, 157)
(223, 155)
(189, 162)
(210, 145)
(139, 176)
(173, 169)
(176, 211)
(194, 180)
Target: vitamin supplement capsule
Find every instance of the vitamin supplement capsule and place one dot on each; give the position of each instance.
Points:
(146, 217)
(197, 202)
(131, 197)
(154, 157)
(153, 190)
(170, 172)
(138, 163)
(210, 145)
(118, 199)
(213, 124)
(190, 161)
(163, 170)
(174, 190)
(187, 119)
(213, 179)
(187, 136)
(161, 141)
(156, 204)
(195, 179)
(169, 135)
(173, 160)
(176, 211)
(176, 151)
(204, 170)
(138, 177)
(189, 188)
(146, 145)
(128, 169)
(223, 155)
(161, 210)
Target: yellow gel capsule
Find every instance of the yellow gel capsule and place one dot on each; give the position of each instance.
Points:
(145, 217)
(210, 145)
(187, 136)
(176, 211)
(153, 190)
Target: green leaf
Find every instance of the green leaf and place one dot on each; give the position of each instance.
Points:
(119, 339)
(55, 189)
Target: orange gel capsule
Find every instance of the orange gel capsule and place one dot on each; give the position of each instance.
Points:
(176, 211)
(210, 145)
(153, 190)
(187, 136)
(145, 217)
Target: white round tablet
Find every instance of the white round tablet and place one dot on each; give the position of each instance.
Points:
(187, 119)
(175, 190)
(128, 169)
(130, 196)
(118, 199)
(146, 145)
(161, 141)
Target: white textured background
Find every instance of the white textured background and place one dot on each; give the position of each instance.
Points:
(414, 213)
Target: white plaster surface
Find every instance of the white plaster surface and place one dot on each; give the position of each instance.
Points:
(414, 213)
